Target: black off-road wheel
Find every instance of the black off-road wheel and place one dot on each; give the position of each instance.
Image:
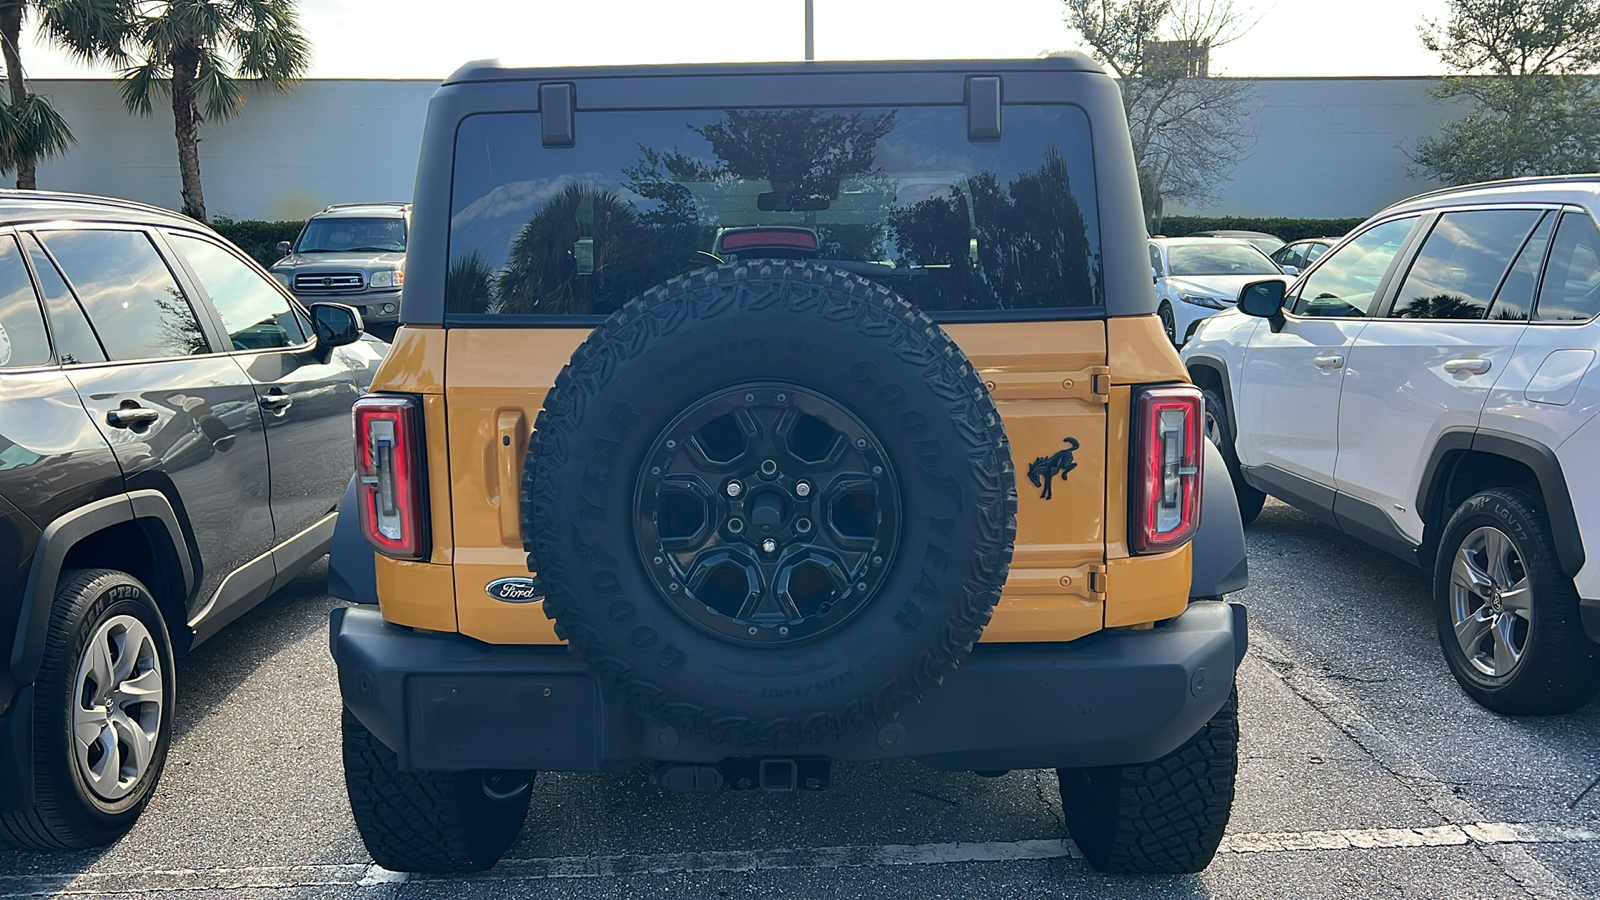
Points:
(1508, 616)
(102, 714)
(436, 822)
(1162, 817)
(769, 504)
(1219, 428)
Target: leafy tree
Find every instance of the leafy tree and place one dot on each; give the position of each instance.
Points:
(1522, 65)
(30, 128)
(1188, 128)
(191, 51)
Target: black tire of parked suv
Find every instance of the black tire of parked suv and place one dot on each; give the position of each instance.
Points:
(849, 346)
(1220, 424)
(66, 814)
(1169, 324)
(432, 822)
(1559, 670)
(1161, 817)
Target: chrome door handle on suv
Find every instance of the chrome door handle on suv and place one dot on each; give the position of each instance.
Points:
(134, 417)
(276, 402)
(1331, 361)
(1475, 366)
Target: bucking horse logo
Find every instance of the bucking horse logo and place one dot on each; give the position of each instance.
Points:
(1046, 468)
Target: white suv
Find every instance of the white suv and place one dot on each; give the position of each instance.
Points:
(1429, 386)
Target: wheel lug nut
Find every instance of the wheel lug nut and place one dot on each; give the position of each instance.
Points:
(802, 525)
(735, 489)
(803, 489)
(769, 545)
(736, 525)
(769, 467)
(861, 443)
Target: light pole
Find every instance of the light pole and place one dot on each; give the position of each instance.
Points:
(811, 52)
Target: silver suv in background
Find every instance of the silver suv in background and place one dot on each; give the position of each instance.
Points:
(352, 253)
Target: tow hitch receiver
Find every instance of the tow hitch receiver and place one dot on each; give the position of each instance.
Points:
(744, 774)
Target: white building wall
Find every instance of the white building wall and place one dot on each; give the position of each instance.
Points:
(1324, 147)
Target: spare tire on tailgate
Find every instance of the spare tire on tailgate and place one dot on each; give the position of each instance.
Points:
(769, 503)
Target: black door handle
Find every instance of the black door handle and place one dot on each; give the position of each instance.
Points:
(131, 417)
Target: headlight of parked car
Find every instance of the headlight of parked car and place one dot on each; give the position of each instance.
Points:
(387, 278)
(1202, 300)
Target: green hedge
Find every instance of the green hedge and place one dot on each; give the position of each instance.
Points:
(259, 239)
(1286, 228)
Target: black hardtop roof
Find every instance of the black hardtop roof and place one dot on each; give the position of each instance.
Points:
(491, 70)
(17, 207)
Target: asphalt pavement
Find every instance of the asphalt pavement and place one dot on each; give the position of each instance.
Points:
(1364, 772)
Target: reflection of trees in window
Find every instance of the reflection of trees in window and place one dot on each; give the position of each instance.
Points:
(562, 260)
(467, 284)
(1033, 244)
(1441, 306)
(180, 330)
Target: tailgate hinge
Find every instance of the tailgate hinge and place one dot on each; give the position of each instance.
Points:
(1100, 383)
(1097, 581)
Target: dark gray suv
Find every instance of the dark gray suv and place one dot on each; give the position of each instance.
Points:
(174, 440)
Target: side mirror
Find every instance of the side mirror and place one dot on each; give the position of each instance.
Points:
(1154, 275)
(283, 248)
(336, 325)
(1263, 299)
(1290, 271)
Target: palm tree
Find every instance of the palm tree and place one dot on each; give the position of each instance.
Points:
(194, 51)
(30, 128)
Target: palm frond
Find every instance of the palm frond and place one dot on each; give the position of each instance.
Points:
(140, 83)
(223, 97)
(92, 30)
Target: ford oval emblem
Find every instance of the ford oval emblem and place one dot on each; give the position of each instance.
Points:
(516, 589)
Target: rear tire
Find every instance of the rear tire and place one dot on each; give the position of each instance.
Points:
(1161, 817)
(107, 677)
(436, 822)
(1168, 323)
(1529, 654)
(1219, 427)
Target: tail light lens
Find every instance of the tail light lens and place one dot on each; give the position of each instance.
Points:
(1168, 464)
(389, 475)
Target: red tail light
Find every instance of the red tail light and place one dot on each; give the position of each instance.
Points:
(1168, 462)
(389, 475)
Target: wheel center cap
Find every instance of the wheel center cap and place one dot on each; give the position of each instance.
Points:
(766, 512)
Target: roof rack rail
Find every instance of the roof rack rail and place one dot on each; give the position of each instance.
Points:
(1530, 180)
(333, 206)
(74, 197)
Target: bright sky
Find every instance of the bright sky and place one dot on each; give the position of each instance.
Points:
(429, 38)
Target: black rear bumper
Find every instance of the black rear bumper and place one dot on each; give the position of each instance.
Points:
(1589, 614)
(448, 702)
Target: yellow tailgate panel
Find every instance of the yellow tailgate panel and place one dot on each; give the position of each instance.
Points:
(1043, 375)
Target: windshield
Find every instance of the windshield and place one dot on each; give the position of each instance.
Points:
(899, 195)
(1218, 259)
(342, 234)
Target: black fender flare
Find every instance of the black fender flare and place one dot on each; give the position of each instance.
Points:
(1216, 366)
(149, 508)
(1218, 564)
(1541, 460)
(352, 574)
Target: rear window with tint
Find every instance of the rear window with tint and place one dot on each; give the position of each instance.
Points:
(898, 195)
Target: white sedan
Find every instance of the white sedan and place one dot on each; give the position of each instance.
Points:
(1199, 276)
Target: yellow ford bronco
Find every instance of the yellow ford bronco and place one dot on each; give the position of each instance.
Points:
(748, 419)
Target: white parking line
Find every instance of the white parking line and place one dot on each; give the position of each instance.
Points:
(563, 867)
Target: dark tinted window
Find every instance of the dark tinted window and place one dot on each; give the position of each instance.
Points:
(255, 314)
(1345, 283)
(1461, 263)
(128, 292)
(1515, 298)
(23, 340)
(75, 340)
(898, 195)
(1571, 287)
